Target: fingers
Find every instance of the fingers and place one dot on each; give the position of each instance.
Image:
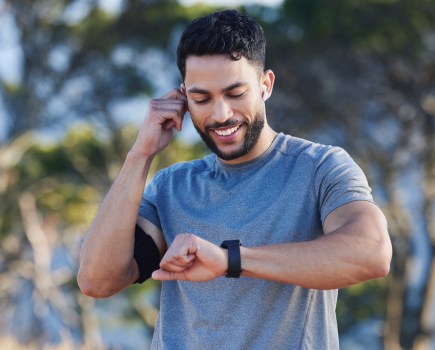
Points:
(164, 114)
(177, 262)
(174, 94)
(168, 113)
(181, 254)
(169, 109)
(192, 258)
(174, 264)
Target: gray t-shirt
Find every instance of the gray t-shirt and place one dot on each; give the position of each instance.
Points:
(282, 196)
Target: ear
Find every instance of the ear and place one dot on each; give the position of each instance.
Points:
(267, 81)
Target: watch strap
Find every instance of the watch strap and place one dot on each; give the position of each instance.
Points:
(234, 259)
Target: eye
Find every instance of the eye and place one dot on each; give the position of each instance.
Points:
(201, 102)
(236, 95)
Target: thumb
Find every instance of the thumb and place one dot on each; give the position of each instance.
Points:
(163, 275)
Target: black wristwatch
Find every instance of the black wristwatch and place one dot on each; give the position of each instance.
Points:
(234, 259)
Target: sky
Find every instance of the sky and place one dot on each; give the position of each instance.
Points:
(233, 2)
(11, 55)
(114, 5)
(8, 36)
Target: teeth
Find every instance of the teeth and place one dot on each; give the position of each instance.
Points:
(226, 132)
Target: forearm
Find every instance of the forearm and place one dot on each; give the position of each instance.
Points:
(107, 252)
(332, 261)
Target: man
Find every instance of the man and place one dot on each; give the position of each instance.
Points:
(302, 211)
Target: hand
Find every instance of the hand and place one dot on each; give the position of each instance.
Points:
(163, 115)
(192, 258)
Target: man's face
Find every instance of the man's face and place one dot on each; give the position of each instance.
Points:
(225, 104)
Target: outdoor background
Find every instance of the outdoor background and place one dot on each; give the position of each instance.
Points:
(75, 78)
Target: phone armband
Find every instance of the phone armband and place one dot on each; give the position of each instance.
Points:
(146, 254)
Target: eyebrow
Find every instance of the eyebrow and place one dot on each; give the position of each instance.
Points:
(195, 90)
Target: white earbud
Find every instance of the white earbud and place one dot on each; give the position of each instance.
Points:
(265, 93)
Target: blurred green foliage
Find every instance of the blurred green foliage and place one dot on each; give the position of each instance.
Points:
(384, 26)
(354, 73)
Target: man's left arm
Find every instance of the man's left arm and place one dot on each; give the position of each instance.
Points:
(356, 247)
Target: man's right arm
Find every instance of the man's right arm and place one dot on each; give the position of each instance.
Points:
(107, 263)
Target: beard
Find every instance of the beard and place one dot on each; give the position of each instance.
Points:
(251, 138)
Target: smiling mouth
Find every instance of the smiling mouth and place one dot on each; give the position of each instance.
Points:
(226, 131)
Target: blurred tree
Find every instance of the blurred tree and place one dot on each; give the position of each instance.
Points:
(77, 62)
(362, 75)
(50, 194)
(356, 74)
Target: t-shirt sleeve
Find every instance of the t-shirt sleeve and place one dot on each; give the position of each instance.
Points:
(148, 206)
(338, 181)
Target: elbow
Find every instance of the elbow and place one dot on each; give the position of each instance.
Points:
(91, 288)
(384, 265)
(380, 262)
(380, 270)
(383, 252)
(386, 255)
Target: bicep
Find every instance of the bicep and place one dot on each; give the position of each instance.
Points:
(363, 217)
(361, 230)
(360, 219)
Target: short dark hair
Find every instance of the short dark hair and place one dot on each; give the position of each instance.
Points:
(226, 32)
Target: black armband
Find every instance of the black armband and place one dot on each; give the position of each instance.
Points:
(146, 254)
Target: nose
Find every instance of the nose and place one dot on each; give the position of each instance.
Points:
(222, 111)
